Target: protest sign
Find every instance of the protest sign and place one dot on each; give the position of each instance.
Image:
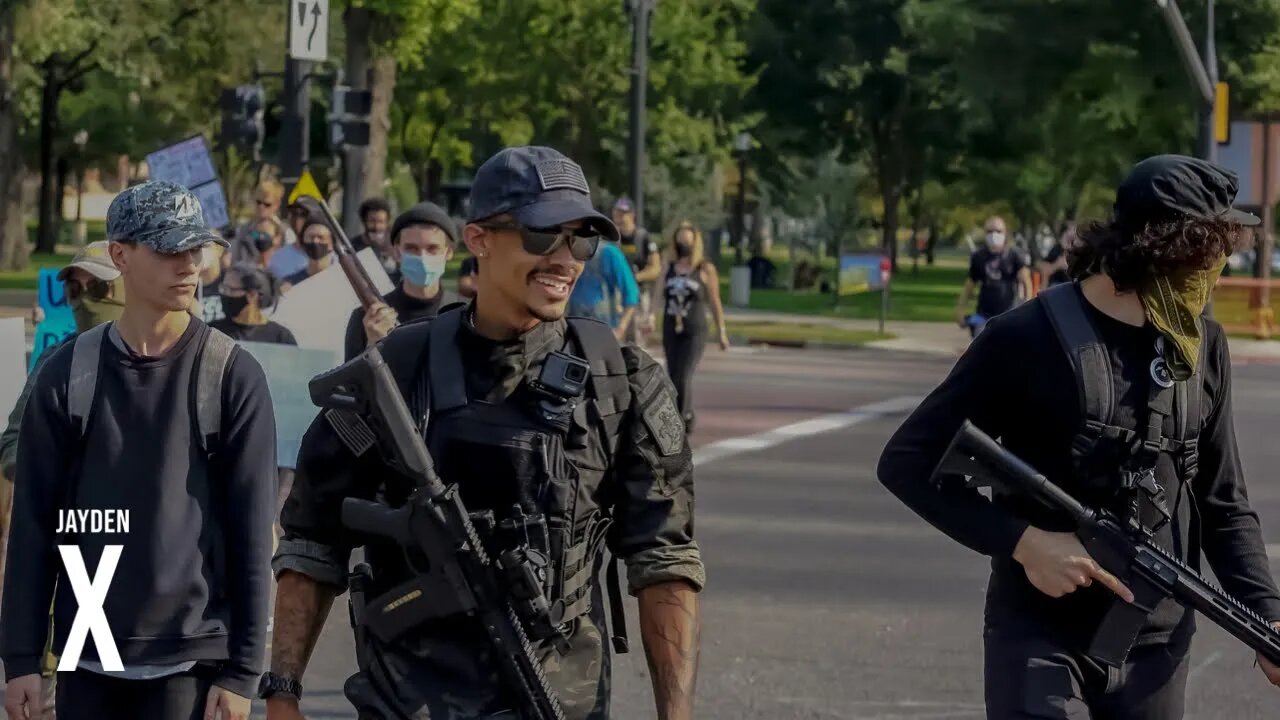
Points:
(289, 369)
(316, 310)
(59, 322)
(189, 164)
(13, 373)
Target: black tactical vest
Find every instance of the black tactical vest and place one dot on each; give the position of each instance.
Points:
(526, 476)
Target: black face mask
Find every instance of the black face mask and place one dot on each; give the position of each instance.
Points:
(233, 306)
(315, 251)
(262, 241)
(684, 250)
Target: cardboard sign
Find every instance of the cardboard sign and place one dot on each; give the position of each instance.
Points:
(59, 322)
(316, 310)
(289, 369)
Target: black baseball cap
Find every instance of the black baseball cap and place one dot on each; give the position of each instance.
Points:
(1169, 187)
(539, 187)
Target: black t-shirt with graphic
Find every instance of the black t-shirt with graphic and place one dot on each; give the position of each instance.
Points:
(997, 274)
(209, 305)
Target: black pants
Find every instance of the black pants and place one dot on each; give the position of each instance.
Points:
(85, 695)
(1029, 676)
(683, 351)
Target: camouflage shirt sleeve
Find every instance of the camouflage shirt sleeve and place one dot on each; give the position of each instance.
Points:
(654, 466)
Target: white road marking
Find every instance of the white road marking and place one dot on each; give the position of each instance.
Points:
(1213, 657)
(824, 423)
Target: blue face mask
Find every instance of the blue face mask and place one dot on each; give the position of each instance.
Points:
(422, 270)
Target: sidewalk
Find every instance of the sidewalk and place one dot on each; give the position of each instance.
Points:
(925, 337)
(948, 339)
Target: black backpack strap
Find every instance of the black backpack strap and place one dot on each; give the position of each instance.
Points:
(82, 383)
(604, 353)
(211, 368)
(1089, 362)
(446, 377)
(1189, 411)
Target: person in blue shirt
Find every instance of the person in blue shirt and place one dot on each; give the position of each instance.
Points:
(604, 277)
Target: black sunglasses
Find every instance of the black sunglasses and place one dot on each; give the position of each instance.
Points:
(95, 290)
(544, 241)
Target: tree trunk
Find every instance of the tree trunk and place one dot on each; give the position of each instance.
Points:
(64, 173)
(46, 236)
(13, 231)
(892, 198)
(375, 161)
(932, 245)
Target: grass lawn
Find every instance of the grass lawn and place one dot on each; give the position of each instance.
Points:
(800, 332)
(927, 295)
(27, 279)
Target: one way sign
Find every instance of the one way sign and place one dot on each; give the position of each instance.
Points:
(309, 30)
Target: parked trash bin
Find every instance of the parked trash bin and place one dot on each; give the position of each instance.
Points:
(740, 286)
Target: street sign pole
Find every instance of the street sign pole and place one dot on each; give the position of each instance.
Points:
(306, 42)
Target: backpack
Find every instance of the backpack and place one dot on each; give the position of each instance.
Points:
(211, 365)
(1095, 385)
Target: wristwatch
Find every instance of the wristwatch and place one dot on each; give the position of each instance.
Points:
(273, 684)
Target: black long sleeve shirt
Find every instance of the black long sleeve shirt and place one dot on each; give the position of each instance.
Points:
(193, 579)
(1016, 384)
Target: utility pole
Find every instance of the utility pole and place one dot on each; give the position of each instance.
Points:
(358, 22)
(1202, 70)
(640, 12)
(295, 129)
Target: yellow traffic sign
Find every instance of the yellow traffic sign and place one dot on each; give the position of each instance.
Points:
(306, 186)
(1221, 114)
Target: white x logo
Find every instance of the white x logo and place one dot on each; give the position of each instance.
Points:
(89, 615)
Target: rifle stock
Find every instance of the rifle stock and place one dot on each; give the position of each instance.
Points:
(1131, 555)
(462, 577)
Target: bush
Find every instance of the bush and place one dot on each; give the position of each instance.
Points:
(807, 274)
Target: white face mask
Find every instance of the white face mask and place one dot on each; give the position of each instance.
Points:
(995, 239)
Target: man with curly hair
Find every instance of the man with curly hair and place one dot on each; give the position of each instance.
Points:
(1116, 388)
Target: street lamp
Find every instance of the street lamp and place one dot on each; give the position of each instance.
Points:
(639, 11)
(741, 146)
(81, 138)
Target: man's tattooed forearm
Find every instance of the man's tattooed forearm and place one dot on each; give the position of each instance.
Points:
(671, 631)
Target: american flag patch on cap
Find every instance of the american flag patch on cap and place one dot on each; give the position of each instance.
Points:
(560, 174)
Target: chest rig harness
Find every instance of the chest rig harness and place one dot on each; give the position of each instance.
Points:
(1115, 464)
(527, 468)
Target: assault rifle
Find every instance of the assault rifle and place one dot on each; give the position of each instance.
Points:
(1124, 549)
(504, 594)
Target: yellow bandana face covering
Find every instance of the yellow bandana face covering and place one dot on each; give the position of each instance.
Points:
(1173, 305)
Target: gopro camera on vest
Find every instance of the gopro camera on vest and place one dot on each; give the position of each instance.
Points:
(563, 376)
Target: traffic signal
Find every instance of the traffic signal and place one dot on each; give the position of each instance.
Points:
(349, 116)
(243, 109)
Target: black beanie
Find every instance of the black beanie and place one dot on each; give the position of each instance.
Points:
(425, 213)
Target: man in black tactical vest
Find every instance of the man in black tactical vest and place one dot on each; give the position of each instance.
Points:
(610, 469)
(1116, 388)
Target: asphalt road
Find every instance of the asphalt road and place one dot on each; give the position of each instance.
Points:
(827, 599)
